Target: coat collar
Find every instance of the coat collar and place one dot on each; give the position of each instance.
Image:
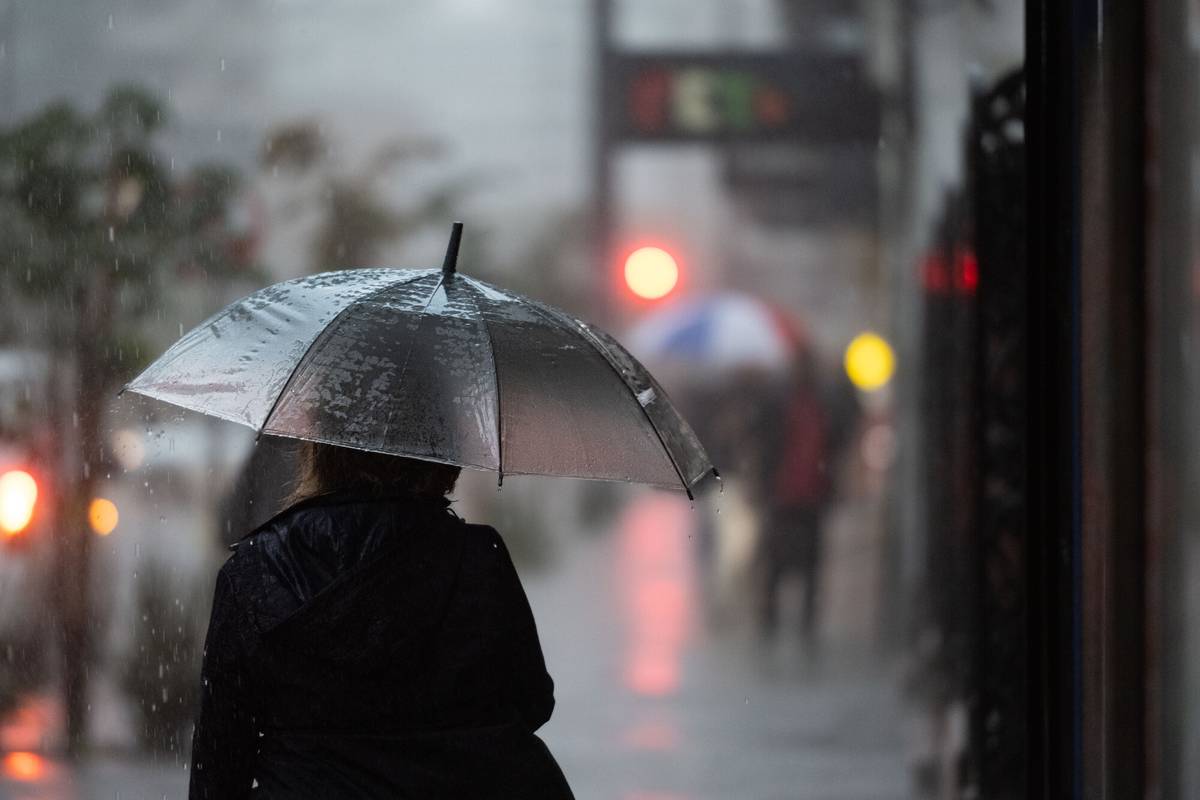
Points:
(348, 496)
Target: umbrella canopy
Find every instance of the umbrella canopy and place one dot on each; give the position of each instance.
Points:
(720, 332)
(435, 365)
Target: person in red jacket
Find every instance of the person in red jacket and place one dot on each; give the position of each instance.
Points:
(796, 488)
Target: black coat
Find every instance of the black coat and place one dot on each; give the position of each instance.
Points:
(366, 647)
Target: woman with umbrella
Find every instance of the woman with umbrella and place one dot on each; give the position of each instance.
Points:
(366, 642)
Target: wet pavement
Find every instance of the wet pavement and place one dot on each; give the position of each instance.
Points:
(651, 704)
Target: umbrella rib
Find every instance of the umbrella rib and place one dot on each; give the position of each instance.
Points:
(598, 346)
(324, 334)
(387, 425)
(495, 377)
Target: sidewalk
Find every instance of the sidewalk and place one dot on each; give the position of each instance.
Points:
(651, 706)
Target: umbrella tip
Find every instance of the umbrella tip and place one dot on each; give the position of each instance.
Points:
(450, 264)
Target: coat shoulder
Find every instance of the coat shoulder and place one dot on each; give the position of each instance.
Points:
(484, 540)
(253, 580)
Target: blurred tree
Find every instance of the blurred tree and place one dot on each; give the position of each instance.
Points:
(355, 219)
(97, 231)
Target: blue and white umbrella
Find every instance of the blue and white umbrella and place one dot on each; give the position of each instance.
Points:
(720, 332)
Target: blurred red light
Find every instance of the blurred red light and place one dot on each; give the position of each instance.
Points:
(966, 277)
(18, 496)
(651, 272)
(649, 99)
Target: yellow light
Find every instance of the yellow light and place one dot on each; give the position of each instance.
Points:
(103, 516)
(23, 766)
(18, 495)
(651, 272)
(870, 361)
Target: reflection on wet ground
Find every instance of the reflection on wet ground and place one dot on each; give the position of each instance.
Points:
(651, 704)
(653, 585)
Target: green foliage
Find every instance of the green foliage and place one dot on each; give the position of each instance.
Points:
(91, 215)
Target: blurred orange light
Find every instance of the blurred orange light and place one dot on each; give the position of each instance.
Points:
(103, 516)
(651, 272)
(18, 495)
(23, 766)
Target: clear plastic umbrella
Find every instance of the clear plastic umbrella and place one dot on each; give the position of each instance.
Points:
(436, 365)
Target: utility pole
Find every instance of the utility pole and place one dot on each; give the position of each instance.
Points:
(602, 204)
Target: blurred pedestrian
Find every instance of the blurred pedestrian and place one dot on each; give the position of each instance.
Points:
(366, 642)
(795, 491)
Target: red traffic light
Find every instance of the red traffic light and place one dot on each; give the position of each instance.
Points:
(18, 496)
(651, 272)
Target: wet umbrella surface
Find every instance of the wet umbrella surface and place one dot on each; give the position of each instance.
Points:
(431, 364)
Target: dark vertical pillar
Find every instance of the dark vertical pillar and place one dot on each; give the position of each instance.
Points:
(1052, 393)
(996, 169)
(1087, 397)
(1172, 504)
(1113, 386)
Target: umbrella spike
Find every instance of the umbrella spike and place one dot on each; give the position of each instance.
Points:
(450, 264)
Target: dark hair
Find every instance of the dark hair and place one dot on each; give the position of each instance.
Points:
(326, 468)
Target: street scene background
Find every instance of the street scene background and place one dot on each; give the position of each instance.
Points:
(766, 201)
